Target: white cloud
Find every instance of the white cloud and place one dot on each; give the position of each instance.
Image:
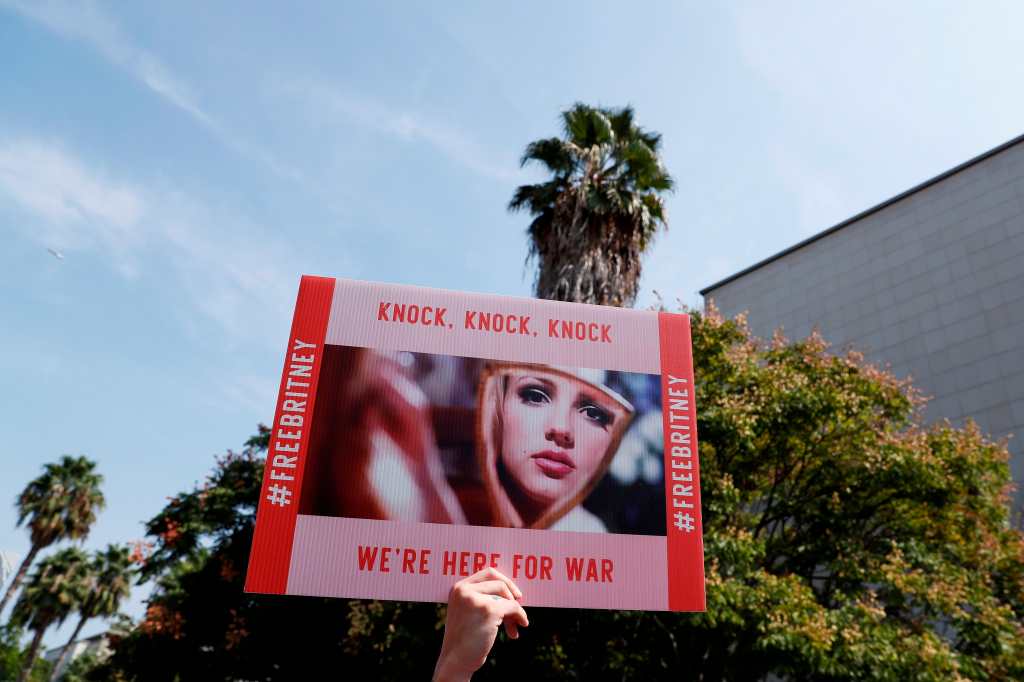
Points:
(44, 179)
(865, 100)
(84, 20)
(230, 271)
(79, 208)
(319, 96)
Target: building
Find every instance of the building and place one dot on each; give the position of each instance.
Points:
(930, 282)
(97, 645)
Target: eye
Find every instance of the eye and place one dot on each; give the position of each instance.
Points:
(534, 395)
(598, 415)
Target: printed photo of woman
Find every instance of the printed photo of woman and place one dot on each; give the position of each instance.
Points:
(453, 440)
(546, 435)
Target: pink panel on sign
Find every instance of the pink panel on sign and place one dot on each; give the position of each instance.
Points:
(366, 314)
(326, 562)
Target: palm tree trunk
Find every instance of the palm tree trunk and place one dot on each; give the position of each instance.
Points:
(30, 659)
(67, 649)
(12, 589)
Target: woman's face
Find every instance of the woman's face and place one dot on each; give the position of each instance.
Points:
(555, 433)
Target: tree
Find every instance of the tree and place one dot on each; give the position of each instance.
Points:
(843, 541)
(101, 587)
(61, 504)
(50, 595)
(200, 624)
(593, 220)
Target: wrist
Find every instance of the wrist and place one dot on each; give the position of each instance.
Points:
(447, 671)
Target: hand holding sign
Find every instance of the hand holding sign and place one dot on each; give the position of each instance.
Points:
(477, 607)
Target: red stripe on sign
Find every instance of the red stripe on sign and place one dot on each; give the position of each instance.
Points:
(682, 470)
(286, 456)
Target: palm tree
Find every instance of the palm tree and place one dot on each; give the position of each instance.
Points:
(61, 504)
(595, 218)
(50, 595)
(104, 584)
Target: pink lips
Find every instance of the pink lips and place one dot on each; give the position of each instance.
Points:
(554, 463)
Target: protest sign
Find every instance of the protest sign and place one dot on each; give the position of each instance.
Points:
(421, 435)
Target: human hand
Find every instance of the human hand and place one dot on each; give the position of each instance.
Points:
(477, 607)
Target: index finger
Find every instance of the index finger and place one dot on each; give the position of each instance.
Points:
(491, 573)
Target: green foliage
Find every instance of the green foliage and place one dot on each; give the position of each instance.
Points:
(843, 541)
(99, 587)
(108, 582)
(50, 595)
(52, 592)
(598, 213)
(10, 652)
(61, 504)
(201, 625)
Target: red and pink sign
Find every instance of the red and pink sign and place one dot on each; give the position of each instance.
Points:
(421, 435)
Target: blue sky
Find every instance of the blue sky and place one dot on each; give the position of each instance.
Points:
(190, 161)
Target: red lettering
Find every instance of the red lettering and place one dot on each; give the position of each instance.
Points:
(408, 557)
(367, 557)
(470, 318)
(414, 314)
(553, 329)
(566, 329)
(591, 571)
(448, 567)
(524, 324)
(463, 563)
(606, 331)
(427, 310)
(485, 322)
(545, 567)
(385, 556)
(424, 556)
(499, 322)
(382, 311)
(479, 561)
(439, 316)
(606, 570)
(573, 567)
(398, 314)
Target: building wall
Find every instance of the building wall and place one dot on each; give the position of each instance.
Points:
(932, 284)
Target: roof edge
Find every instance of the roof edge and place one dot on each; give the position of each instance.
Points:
(863, 214)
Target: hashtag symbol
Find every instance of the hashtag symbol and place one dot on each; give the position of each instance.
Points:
(279, 495)
(683, 521)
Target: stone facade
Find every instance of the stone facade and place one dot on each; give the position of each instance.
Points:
(930, 282)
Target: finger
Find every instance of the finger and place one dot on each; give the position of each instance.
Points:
(511, 611)
(491, 573)
(511, 629)
(493, 588)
